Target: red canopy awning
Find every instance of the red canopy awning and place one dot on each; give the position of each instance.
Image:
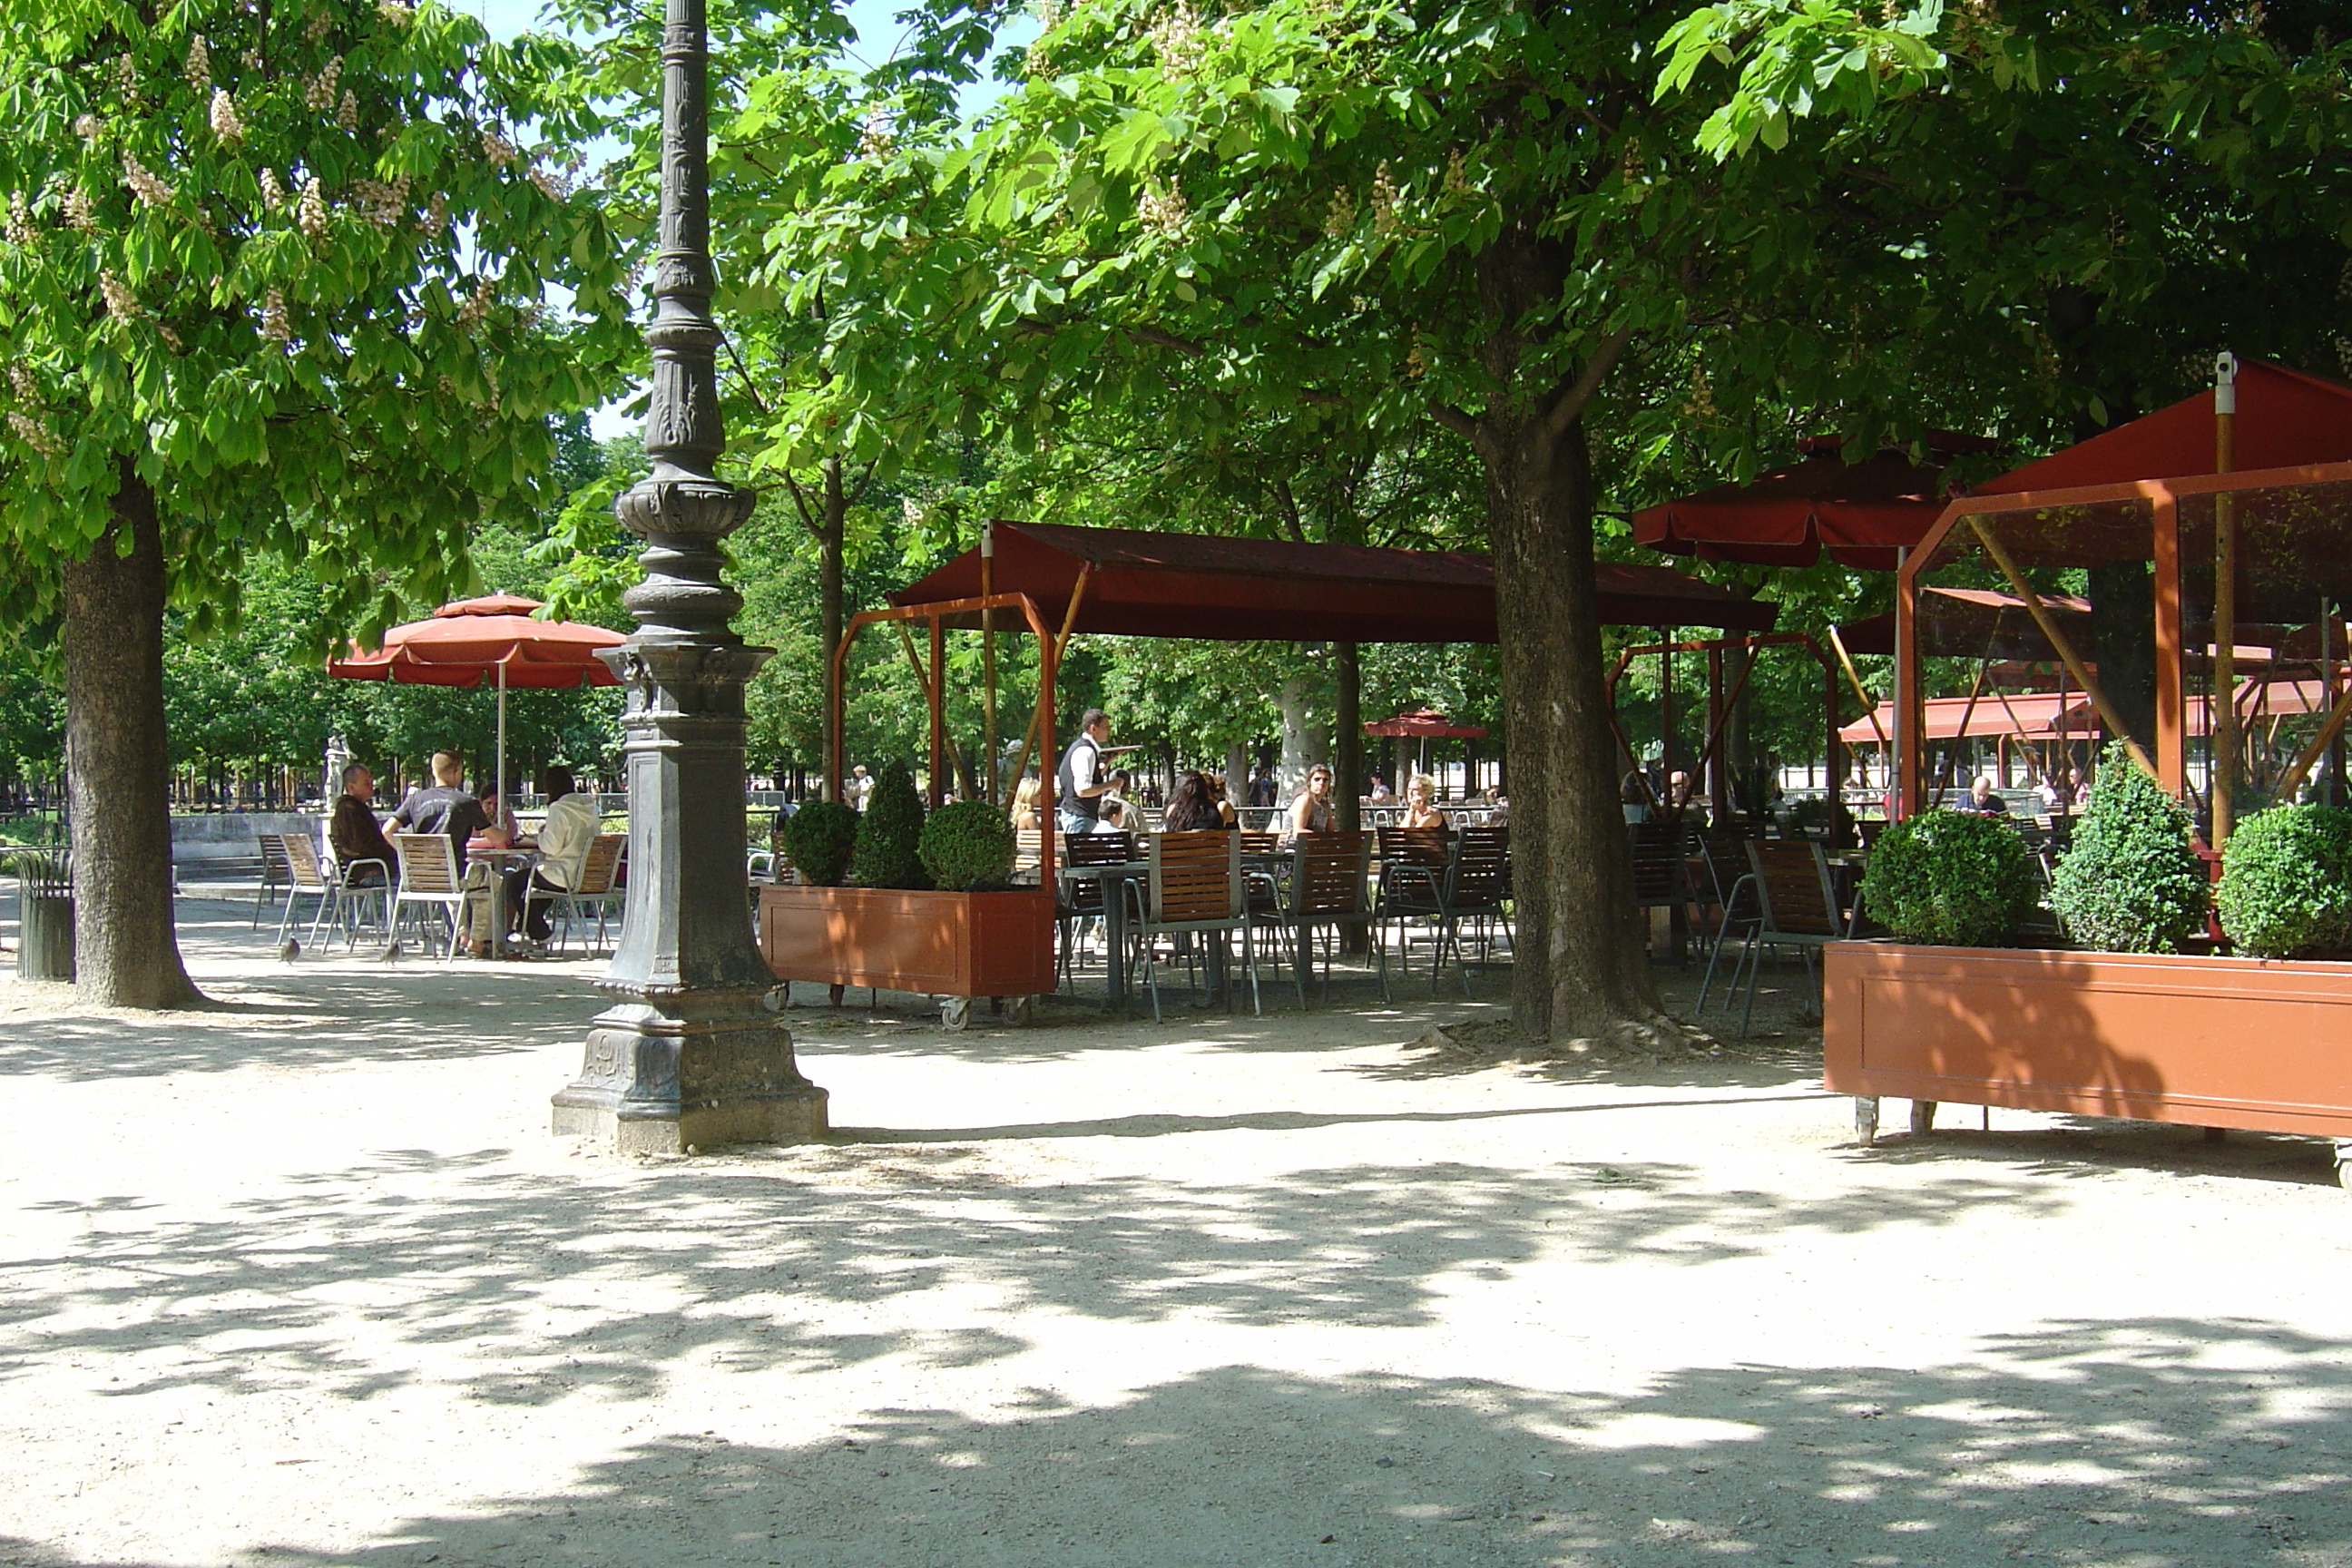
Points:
(1425, 723)
(2029, 715)
(2285, 419)
(1859, 513)
(466, 642)
(1211, 586)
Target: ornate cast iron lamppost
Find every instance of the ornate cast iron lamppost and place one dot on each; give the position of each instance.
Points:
(691, 1052)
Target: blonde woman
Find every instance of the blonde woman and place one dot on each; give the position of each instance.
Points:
(1024, 804)
(1420, 803)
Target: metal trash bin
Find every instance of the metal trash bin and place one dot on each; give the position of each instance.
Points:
(44, 914)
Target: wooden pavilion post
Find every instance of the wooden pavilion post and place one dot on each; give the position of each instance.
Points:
(2171, 721)
(988, 784)
(1910, 713)
(935, 702)
(1718, 782)
(2222, 729)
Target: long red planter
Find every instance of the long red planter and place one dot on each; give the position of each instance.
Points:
(935, 944)
(2209, 1042)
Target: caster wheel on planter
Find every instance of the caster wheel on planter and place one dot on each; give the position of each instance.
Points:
(1021, 1012)
(955, 1013)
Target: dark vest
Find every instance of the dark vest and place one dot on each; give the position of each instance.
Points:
(1066, 787)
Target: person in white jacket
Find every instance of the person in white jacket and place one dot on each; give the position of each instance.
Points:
(563, 842)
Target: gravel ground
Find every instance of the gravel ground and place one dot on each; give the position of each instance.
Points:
(304, 1280)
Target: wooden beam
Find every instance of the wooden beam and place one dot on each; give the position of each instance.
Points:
(2058, 640)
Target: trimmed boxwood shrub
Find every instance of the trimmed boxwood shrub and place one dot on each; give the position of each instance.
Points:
(2131, 883)
(968, 848)
(890, 833)
(2286, 882)
(819, 837)
(1952, 878)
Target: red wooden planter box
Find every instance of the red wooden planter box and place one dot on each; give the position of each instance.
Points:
(934, 944)
(2211, 1042)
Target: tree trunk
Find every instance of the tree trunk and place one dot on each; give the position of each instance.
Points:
(1347, 736)
(1304, 742)
(117, 768)
(1579, 971)
(2123, 624)
(832, 521)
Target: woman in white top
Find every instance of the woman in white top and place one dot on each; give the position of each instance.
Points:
(1312, 812)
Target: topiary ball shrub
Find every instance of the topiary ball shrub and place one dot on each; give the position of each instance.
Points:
(1951, 879)
(819, 837)
(889, 836)
(2131, 883)
(968, 848)
(2286, 882)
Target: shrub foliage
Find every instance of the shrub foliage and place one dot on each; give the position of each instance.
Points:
(889, 835)
(1952, 878)
(819, 836)
(2286, 882)
(2131, 883)
(968, 848)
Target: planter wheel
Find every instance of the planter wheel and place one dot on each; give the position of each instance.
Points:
(1866, 1118)
(956, 1012)
(1021, 1012)
(2343, 1162)
(1922, 1118)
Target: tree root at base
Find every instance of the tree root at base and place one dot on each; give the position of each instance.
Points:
(1651, 1040)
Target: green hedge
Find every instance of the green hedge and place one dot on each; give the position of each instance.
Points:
(889, 836)
(1952, 878)
(820, 836)
(968, 848)
(2131, 883)
(2286, 882)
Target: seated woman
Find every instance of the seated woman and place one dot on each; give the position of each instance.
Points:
(1226, 815)
(1024, 804)
(1380, 794)
(1420, 803)
(1194, 805)
(1312, 812)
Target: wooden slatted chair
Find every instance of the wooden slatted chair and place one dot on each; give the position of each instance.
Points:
(596, 886)
(429, 877)
(1081, 899)
(1477, 881)
(342, 904)
(1194, 887)
(1661, 873)
(1413, 862)
(276, 872)
(1028, 853)
(1796, 908)
(1327, 886)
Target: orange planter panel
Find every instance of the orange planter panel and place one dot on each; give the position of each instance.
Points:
(2213, 1042)
(934, 944)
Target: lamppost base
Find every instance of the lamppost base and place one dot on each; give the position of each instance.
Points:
(657, 1084)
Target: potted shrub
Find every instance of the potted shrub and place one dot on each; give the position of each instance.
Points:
(2121, 1023)
(2132, 882)
(2286, 883)
(818, 838)
(1951, 879)
(931, 911)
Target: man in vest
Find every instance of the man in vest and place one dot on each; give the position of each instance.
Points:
(1080, 784)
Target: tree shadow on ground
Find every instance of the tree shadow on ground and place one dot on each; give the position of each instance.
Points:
(2144, 1444)
(2080, 1146)
(542, 1287)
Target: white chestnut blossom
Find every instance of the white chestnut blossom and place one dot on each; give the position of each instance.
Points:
(144, 184)
(120, 302)
(311, 213)
(275, 327)
(227, 125)
(200, 63)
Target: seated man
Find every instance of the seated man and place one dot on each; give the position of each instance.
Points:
(563, 840)
(447, 807)
(1982, 800)
(354, 835)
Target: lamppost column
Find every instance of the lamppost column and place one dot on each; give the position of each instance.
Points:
(691, 1053)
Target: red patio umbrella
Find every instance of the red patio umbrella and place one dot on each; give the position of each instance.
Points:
(492, 638)
(1425, 723)
(1860, 513)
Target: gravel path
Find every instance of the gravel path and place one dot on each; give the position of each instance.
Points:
(305, 1280)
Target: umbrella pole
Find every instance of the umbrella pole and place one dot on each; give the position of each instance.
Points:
(501, 769)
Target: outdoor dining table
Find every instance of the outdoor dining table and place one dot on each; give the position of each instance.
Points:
(500, 860)
(1115, 880)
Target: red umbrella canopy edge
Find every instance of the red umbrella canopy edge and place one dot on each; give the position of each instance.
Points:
(1425, 723)
(465, 643)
